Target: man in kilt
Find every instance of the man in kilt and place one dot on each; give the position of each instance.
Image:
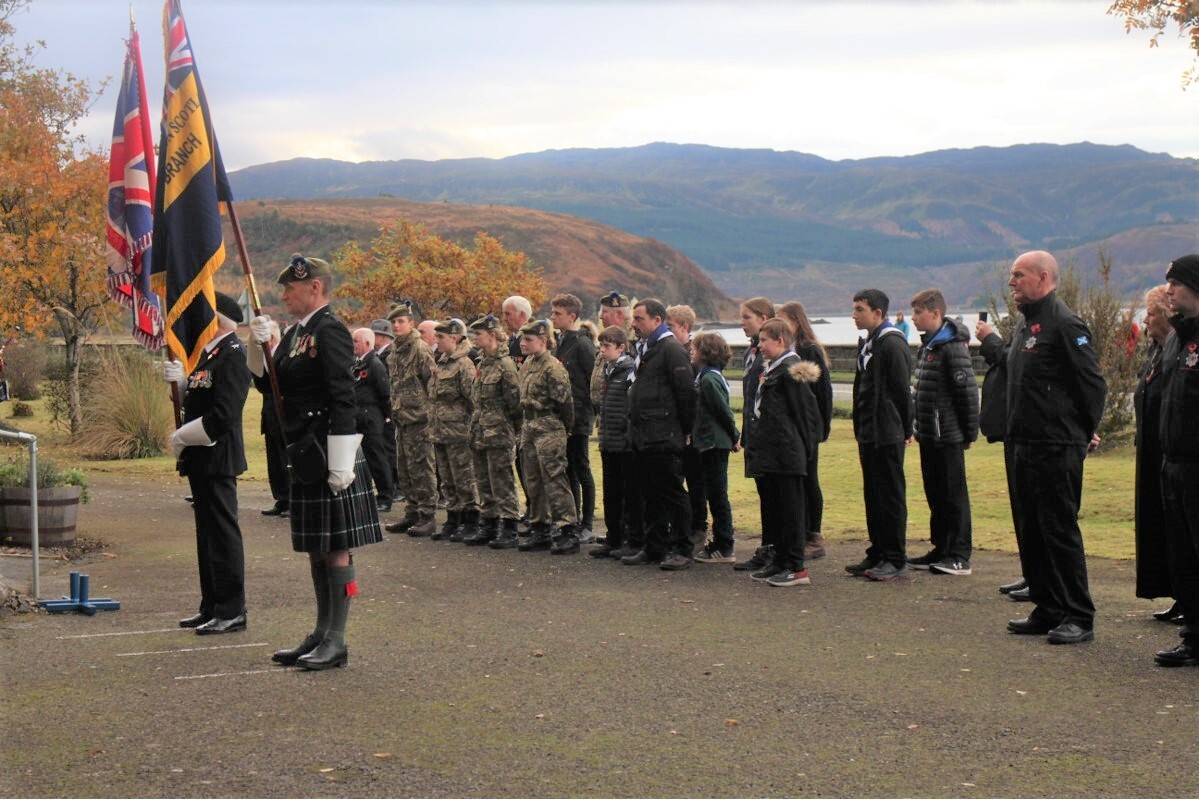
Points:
(332, 507)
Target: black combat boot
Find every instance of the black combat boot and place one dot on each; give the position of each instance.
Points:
(448, 527)
(506, 538)
(566, 541)
(489, 528)
(404, 525)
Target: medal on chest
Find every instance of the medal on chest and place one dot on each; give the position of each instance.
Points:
(302, 345)
(201, 379)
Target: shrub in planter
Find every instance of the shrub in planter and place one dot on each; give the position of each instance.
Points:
(59, 493)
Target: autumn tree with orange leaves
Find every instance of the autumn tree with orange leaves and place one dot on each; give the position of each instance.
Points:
(407, 261)
(1156, 16)
(52, 194)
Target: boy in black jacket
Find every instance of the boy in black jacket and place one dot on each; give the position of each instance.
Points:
(621, 495)
(882, 424)
(946, 425)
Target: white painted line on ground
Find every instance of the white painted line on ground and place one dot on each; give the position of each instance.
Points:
(229, 674)
(116, 633)
(192, 649)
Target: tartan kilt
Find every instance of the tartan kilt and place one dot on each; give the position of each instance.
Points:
(322, 522)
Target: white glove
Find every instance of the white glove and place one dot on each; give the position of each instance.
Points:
(260, 329)
(341, 452)
(255, 360)
(190, 434)
(172, 372)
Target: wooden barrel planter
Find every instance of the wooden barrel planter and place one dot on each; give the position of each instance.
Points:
(57, 514)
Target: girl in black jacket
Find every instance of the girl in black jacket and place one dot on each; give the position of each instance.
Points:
(783, 428)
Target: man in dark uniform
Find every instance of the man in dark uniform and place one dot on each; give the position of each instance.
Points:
(332, 507)
(212, 454)
(1055, 396)
(384, 336)
(372, 392)
(272, 431)
(1180, 454)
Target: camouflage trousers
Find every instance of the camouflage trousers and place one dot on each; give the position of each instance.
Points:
(543, 461)
(496, 482)
(415, 478)
(456, 471)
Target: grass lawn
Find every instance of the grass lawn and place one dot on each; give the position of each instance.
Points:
(1106, 517)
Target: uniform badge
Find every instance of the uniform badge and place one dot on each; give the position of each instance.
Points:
(1082, 341)
(1030, 343)
(200, 380)
(1192, 359)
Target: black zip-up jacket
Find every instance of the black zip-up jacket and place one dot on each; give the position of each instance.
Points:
(1055, 391)
(883, 410)
(662, 398)
(822, 388)
(784, 437)
(992, 410)
(577, 353)
(372, 393)
(614, 406)
(1180, 394)
(946, 389)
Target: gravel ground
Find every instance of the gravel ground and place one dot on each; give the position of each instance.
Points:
(482, 673)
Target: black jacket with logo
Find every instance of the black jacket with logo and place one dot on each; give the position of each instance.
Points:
(1180, 393)
(1055, 391)
(946, 389)
(216, 393)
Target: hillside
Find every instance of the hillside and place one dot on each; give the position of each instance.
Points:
(577, 255)
(796, 225)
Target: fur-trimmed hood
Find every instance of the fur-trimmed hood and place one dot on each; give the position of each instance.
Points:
(805, 371)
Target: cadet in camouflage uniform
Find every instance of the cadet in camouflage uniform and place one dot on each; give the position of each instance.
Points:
(494, 427)
(411, 368)
(548, 409)
(450, 413)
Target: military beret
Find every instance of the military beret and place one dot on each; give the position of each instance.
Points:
(452, 326)
(1185, 270)
(229, 307)
(305, 269)
(488, 323)
(614, 300)
(404, 308)
(537, 327)
(383, 327)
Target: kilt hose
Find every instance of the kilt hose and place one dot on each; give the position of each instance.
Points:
(322, 522)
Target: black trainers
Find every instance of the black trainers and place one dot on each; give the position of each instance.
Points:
(860, 568)
(762, 556)
(767, 572)
(926, 561)
(639, 559)
(950, 566)
(713, 553)
(886, 571)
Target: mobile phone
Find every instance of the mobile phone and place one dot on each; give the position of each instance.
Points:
(982, 316)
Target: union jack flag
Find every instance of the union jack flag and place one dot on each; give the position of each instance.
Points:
(131, 201)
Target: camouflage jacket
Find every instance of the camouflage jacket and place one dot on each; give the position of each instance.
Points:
(411, 367)
(497, 416)
(545, 397)
(450, 396)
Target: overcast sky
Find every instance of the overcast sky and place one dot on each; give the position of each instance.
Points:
(374, 81)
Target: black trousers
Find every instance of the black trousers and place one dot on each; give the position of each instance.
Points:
(784, 512)
(666, 509)
(813, 495)
(218, 545)
(1048, 484)
(714, 464)
(582, 483)
(943, 468)
(1180, 501)
(381, 464)
(276, 467)
(885, 489)
(697, 492)
(621, 512)
(389, 446)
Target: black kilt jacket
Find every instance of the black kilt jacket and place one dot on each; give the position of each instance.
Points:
(216, 393)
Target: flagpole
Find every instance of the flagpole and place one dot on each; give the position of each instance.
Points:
(252, 288)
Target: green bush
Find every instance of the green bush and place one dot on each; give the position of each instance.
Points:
(22, 409)
(14, 472)
(127, 408)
